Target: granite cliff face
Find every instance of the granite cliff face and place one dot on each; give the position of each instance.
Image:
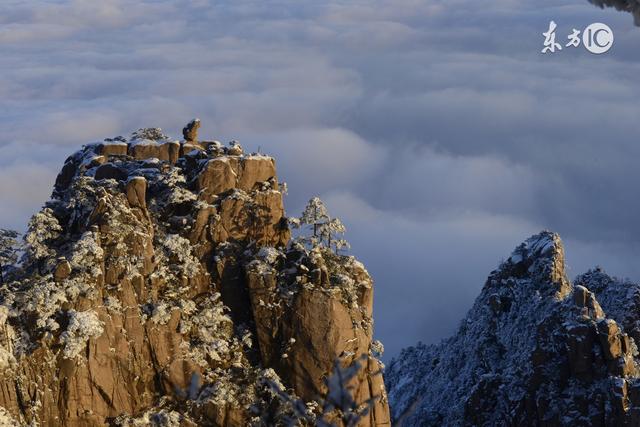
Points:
(161, 286)
(534, 350)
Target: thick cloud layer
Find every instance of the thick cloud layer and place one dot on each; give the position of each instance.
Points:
(434, 128)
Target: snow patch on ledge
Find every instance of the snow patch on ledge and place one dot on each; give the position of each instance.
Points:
(83, 325)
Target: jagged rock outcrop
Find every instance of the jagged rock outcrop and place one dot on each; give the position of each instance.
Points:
(161, 287)
(533, 350)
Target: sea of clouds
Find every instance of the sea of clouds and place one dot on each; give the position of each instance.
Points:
(435, 129)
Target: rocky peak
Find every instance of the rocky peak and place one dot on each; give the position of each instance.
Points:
(160, 286)
(533, 347)
(540, 259)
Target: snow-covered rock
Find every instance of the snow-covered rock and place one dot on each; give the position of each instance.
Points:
(82, 326)
(137, 301)
(533, 350)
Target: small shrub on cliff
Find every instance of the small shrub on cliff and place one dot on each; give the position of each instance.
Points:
(6, 420)
(153, 134)
(82, 326)
(8, 250)
(180, 252)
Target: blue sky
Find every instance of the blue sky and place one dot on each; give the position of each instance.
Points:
(435, 129)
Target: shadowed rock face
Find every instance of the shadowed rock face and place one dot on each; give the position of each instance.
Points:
(165, 291)
(533, 350)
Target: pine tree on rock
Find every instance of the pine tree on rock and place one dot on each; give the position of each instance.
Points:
(329, 232)
(315, 214)
(325, 228)
(43, 229)
(8, 250)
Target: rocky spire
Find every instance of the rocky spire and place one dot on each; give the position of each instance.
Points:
(540, 258)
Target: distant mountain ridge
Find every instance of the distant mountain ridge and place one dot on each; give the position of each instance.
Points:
(534, 350)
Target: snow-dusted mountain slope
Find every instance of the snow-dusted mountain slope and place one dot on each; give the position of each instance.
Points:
(534, 349)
